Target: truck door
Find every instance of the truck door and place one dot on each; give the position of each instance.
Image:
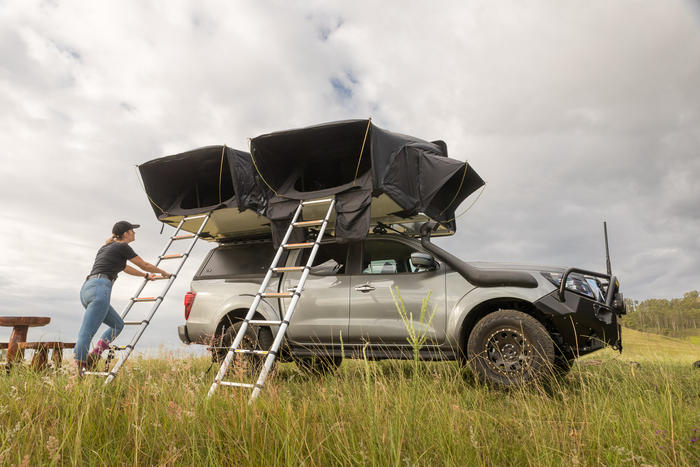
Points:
(323, 312)
(386, 264)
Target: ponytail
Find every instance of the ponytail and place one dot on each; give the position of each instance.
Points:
(113, 239)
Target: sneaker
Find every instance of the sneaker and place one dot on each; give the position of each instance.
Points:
(80, 368)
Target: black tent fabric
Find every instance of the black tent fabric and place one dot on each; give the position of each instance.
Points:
(202, 180)
(353, 160)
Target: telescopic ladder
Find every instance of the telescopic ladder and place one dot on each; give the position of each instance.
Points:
(272, 353)
(143, 324)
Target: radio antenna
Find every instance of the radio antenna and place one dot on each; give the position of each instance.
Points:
(607, 250)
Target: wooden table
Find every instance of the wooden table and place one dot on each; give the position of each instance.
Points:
(20, 326)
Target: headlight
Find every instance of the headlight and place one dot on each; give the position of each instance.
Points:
(576, 283)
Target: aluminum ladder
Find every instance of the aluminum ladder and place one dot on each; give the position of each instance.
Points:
(143, 324)
(273, 352)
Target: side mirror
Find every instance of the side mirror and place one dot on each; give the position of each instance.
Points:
(423, 261)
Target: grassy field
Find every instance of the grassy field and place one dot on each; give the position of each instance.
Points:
(606, 411)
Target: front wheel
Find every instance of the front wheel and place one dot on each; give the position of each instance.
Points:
(508, 347)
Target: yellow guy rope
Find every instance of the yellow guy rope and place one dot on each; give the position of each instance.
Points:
(221, 169)
(369, 122)
(466, 165)
(256, 167)
(144, 189)
(471, 205)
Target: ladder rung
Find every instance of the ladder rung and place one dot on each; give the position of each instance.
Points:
(240, 385)
(160, 278)
(251, 351)
(191, 218)
(288, 268)
(263, 322)
(277, 294)
(292, 246)
(308, 223)
(183, 237)
(176, 255)
(95, 373)
(316, 201)
(117, 347)
(135, 323)
(145, 299)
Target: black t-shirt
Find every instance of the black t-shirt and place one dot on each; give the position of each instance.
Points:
(111, 259)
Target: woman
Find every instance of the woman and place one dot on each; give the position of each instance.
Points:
(95, 294)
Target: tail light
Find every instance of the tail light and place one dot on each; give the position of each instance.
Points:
(189, 300)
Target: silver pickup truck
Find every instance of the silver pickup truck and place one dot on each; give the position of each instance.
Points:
(511, 323)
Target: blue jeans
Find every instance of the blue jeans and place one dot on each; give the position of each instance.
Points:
(95, 295)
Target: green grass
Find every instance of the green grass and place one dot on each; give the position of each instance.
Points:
(606, 411)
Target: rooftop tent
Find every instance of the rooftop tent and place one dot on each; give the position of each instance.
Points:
(212, 178)
(378, 177)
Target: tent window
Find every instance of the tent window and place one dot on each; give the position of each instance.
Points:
(318, 158)
(321, 174)
(204, 185)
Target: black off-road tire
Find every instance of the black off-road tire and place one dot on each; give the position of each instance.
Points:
(318, 364)
(508, 348)
(255, 339)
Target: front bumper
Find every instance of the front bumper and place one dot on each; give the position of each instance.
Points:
(182, 333)
(582, 325)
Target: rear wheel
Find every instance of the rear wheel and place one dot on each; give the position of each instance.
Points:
(508, 347)
(254, 339)
(318, 364)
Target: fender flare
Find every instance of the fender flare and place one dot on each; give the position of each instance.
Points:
(478, 297)
(243, 302)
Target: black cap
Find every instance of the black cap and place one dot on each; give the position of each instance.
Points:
(121, 227)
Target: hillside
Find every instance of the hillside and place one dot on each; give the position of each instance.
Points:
(649, 347)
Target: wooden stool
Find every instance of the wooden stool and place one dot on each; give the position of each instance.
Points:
(41, 352)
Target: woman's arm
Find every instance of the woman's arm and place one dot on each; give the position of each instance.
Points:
(135, 272)
(148, 266)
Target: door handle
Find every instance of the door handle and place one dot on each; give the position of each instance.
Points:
(364, 288)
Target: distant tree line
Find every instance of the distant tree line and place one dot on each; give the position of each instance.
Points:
(676, 317)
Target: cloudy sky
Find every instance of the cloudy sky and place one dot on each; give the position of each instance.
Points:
(573, 113)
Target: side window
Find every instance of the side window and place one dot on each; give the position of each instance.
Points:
(232, 260)
(330, 259)
(386, 257)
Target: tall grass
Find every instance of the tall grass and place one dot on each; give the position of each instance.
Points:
(605, 411)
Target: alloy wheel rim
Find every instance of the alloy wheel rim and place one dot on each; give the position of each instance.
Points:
(508, 351)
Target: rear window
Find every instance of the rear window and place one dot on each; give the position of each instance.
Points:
(234, 260)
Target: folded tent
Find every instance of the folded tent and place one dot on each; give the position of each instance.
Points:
(212, 178)
(377, 177)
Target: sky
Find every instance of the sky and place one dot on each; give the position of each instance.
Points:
(574, 113)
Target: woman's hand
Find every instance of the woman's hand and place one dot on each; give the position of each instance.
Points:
(152, 277)
(148, 267)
